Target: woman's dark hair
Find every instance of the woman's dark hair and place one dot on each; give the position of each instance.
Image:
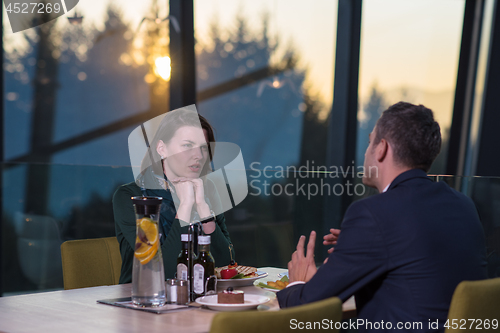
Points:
(413, 134)
(170, 123)
(167, 129)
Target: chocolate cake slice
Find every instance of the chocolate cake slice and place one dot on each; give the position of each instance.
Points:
(231, 296)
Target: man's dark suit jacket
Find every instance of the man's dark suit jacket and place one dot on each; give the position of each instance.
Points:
(401, 253)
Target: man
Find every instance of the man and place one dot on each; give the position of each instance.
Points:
(401, 252)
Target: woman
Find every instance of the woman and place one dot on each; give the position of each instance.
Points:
(171, 169)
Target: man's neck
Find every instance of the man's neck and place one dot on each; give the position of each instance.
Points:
(388, 177)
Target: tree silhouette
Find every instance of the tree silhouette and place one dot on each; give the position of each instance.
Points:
(153, 43)
(273, 113)
(371, 111)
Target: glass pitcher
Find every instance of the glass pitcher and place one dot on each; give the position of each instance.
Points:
(148, 276)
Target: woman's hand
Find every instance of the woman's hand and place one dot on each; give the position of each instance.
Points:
(199, 191)
(184, 190)
(201, 205)
(199, 198)
(191, 192)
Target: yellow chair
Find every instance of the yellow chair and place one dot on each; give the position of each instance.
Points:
(475, 300)
(285, 320)
(91, 262)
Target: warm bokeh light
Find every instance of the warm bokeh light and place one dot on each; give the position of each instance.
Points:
(162, 67)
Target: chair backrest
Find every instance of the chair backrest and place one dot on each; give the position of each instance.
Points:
(285, 320)
(91, 262)
(474, 300)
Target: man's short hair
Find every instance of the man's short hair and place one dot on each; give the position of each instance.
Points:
(413, 134)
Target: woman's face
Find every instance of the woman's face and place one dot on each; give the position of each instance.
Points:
(185, 154)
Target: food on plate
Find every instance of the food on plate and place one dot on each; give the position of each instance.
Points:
(242, 272)
(233, 270)
(247, 271)
(228, 273)
(278, 284)
(231, 296)
(232, 263)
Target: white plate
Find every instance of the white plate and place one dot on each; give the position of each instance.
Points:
(251, 302)
(224, 283)
(268, 289)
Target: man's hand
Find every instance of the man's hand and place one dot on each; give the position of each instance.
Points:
(302, 267)
(331, 238)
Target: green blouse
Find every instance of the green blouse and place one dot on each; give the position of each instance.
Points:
(125, 233)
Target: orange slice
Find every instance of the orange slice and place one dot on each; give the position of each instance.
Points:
(148, 258)
(150, 229)
(144, 249)
(146, 240)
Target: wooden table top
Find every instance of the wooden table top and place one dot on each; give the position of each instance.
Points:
(77, 311)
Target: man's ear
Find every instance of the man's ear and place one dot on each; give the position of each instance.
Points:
(161, 149)
(381, 150)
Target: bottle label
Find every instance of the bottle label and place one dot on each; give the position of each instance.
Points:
(198, 279)
(182, 272)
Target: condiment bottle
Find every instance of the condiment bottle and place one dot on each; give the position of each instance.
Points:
(204, 266)
(183, 260)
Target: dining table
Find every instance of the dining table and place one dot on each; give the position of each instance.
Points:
(77, 310)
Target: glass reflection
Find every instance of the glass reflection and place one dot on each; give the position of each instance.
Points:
(265, 76)
(67, 84)
(265, 82)
(409, 52)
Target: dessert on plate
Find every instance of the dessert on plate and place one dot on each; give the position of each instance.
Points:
(230, 296)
